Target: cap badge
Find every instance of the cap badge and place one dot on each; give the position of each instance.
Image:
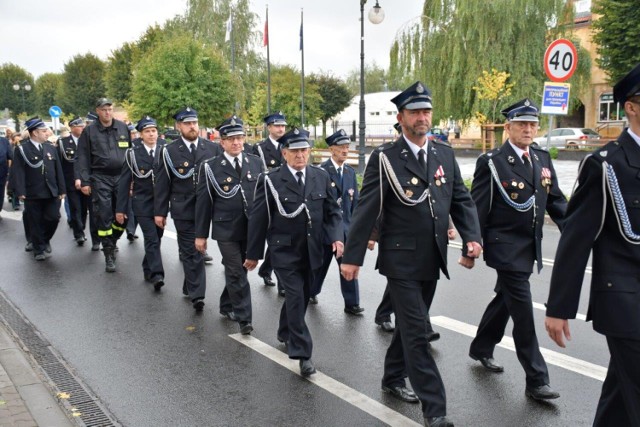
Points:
(527, 103)
(420, 88)
(188, 109)
(296, 132)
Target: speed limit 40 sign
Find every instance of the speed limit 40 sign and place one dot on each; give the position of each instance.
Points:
(560, 60)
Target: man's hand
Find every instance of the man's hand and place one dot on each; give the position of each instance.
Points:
(201, 244)
(473, 249)
(338, 248)
(78, 184)
(250, 264)
(371, 244)
(349, 271)
(22, 197)
(120, 217)
(160, 221)
(556, 328)
(467, 262)
(86, 190)
(62, 196)
(451, 233)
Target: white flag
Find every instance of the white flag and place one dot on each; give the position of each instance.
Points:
(227, 36)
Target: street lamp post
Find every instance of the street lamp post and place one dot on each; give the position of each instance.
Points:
(22, 87)
(376, 16)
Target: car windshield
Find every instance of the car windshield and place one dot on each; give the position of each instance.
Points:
(590, 132)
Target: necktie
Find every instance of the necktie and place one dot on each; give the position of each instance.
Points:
(192, 147)
(299, 174)
(238, 167)
(340, 174)
(40, 148)
(151, 153)
(422, 159)
(527, 160)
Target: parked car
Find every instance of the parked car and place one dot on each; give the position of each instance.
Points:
(437, 133)
(568, 138)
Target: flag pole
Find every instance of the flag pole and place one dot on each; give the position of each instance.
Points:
(266, 41)
(302, 57)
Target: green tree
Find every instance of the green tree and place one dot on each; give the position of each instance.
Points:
(118, 72)
(47, 92)
(617, 31)
(83, 84)
(456, 40)
(11, 74)
(285, 97)
(182, 72)
(375, 80)
(334, 95)
(493, 87)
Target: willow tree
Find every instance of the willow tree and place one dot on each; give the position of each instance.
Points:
(455, 41)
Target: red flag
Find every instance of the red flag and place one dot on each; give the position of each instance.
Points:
(265, 38)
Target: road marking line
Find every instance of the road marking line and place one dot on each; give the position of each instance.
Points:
(551, 357)
(542, 307)
(355, 398)
(16, 215)
(545, 261)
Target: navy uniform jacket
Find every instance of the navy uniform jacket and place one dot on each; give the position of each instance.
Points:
(271, 156)
(142, 188)
(43, 182)
(228, 216)
(290, 239)
(68, 155)
(174, 194)
(410, 236)
(346, 192)
(512, 240)
(6, 154)
(614, 304)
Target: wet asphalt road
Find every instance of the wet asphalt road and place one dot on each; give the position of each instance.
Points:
(153, 361)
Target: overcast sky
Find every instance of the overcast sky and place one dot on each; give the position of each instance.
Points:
(41, 35)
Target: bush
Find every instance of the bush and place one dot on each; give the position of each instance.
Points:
(553, 152)
(320, 144)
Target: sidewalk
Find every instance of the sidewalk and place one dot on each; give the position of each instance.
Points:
(25, 400)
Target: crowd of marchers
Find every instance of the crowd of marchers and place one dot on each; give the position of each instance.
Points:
(265, 202)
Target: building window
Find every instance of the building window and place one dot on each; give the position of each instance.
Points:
(609, 110)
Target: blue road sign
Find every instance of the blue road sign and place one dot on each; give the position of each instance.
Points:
(555, 98)
(55, 111)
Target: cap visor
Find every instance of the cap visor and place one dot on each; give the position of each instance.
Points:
(420, 105)
(298, 144)
(525, 119)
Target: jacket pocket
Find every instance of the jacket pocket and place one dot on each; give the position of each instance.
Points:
(398, 243)
(280, 240)
(614, 304)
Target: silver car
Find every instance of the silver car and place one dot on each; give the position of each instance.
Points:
(568, 138)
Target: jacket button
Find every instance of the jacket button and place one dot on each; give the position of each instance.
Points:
(635, 202)
(397, 245)
(609, 285)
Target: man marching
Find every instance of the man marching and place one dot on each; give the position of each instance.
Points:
(224, 199)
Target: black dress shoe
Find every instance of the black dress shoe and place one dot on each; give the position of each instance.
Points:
(47, 248)
(433, 336)
(198, 304)
(543, 392)
(245, 328)
(95, 247)
(281, 292)
(386, 325)
(353, 309)
(401, 393)
(207, 257)
(281, 339)
(80, 240)
(437, 422)
(229, 315)
(131, 237)
(307, 368)
(28, 247)
(313, 300)
(268, 281)
(158, 282)
(40, 257)
(488, 362)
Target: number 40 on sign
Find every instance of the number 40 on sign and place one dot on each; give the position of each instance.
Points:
(560, 60)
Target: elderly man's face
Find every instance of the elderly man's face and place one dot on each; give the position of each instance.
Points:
(297, 158)
(521, 134)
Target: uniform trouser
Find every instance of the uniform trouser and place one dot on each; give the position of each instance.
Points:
(619, 403)
(25, 223)
(408, 354)
(350, 289)
(104, 193)
(265, 269)
(3, 184)
(85, 211)
(152, 261)
(74, 198)
(236, 295)
(195, 277)
(132, 220)
(42, 216)
(385, 309)
(513, 299)
(293, 329)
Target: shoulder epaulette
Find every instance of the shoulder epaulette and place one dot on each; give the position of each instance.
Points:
(492, 153)
(441, 142)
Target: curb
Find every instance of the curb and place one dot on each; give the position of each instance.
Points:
(27, 399)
